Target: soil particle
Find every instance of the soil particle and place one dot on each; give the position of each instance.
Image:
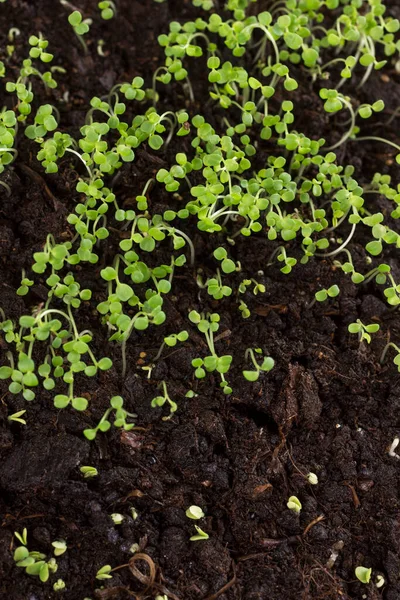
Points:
(50, 462)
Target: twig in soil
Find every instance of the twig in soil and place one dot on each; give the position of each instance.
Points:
(314, 522)
(356, 500)
(149, 581)
(226, 587)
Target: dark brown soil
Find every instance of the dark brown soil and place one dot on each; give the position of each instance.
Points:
(328, 406)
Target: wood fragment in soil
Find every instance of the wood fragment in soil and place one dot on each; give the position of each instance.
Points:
(226, 587)
(356, 499)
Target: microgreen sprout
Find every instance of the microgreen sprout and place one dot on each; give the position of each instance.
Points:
(396, 359)
(171, 340)
(363, 331)
(117, 518)
(258, 287)
(266, 365)
(194, 512)
(120, 419)
(60, 546)
(16, 417)
(331, 292)
(363, 574)
(104, 573)
(33, 562)
(79, 26)
(201, 535)
(208, 325)
(89, 472)
(165, 398)
(324, 294)
(108, 9)
(39, 44)
(59, 585)
(380, 581)
(294, 504)
(227, 264)
(312, 478)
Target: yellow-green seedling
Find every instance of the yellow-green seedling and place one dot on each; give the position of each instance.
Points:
(59, 585)
(104, 573)
(17, 417)
(312, 478)
(33, 562)
(266, 365)
(201, 535)
(363, 574)
(117, 518)
(194, 512)
(363, 331)
(294, 504)
(60, 546)
(88, 472)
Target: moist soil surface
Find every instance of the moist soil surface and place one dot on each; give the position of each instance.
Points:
(328, 406)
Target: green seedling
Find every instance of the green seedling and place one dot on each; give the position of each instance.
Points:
(16, 417)
(39, 45)
(171, 340)
(44, 122)
(396, 359)
(258, 287)
(108, 9)
(80, 27)
(201, 535)
(60, 546)
(363, 331)
(120, 420)
(33, 562)
(89, 472)
(59, 585)
(363, 574)
(104, 573)
(216, 288)
(324, 294)
(266, 365)
(227, 264)
(165, 398)
(208, 325)
(194, 512)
